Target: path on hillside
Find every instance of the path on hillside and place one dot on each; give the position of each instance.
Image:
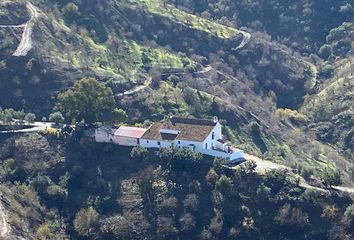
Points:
(35, 127)
(25, 44)
(137, 88)
(246, 38)
(263, 166)
(26, 41)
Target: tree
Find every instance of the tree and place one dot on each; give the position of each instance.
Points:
(187, 222)
(30, 117)
(191, 202)
(118, 225)
(224, 184)
(56, 117)
(71, 12)
(263, 192)
(86, 221)
(139, 153)
(294, 217)
(7, 117)
(168, 205)
(119, 115)
(211, 178)
(248, 167)
(165, 227)
(88, 100)
(130, 225)
(349, 213)
(331, 177)
(276, 180)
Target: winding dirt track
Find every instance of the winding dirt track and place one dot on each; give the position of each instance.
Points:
(263, 166)
(26, 41)
(137, 88)
(245, 40)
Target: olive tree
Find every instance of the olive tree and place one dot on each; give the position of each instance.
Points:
(88, 100)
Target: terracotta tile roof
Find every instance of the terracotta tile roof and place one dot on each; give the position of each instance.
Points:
(133, 132)
(189, 129)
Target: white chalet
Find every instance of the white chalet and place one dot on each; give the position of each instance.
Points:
(201, 135)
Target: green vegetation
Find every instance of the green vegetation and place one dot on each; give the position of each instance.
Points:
(189, 20)
(187, 195)
(56, 117)
(180, 57)
(89, 101)
(8, 115)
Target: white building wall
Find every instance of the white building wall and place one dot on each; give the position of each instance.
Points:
(146, 143)
(154, 143)
(185, 143)
(211, 143)
(199, 147)
(220, 145)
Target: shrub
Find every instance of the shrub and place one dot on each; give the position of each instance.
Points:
(292, 216)
(263, 192)
(293, 115)
(187, 222)
(276, 180)
(191, 202)
(139, 153)
(211, 178)
(349, 213)
(254, 128)
(306, 173)
(30, 117)
(331, 177)
(224, 184)
(86, 221)
(56, 117)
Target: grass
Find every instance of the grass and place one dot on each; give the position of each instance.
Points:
(125, 64)
(335, 96)
(186, 19)
(135, 57)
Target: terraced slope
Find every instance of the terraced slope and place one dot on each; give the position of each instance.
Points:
(182, 17)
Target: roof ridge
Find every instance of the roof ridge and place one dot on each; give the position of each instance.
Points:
(194, 121)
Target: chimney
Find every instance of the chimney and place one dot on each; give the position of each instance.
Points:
(216, 119)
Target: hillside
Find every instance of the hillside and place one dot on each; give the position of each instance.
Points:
(81, 190)
(277, 73)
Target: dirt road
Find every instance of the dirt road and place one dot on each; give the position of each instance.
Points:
(26, 41)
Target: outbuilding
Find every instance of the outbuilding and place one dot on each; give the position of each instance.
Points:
(128, 136)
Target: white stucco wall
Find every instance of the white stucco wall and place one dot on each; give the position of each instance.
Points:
(219, 145)
(217, 130)
(154, 143)
(185, 143)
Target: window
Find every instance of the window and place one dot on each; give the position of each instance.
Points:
(213, 136)
(179, 142)
(138, 141)
(206, 146)
(147, 141)
(158, 143)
